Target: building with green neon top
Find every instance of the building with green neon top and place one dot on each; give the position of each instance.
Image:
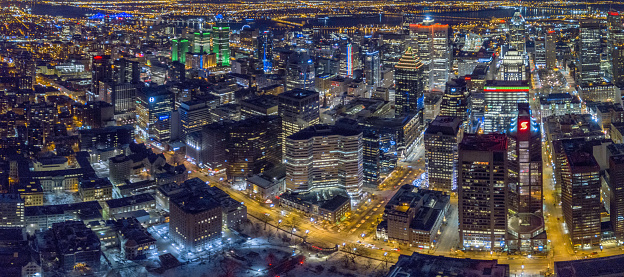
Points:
(221, 43)
(179, 47)
(201, 43)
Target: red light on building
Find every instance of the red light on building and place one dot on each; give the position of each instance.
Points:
(524, 125)
(467, 78)
(97, 57)
(614, 13)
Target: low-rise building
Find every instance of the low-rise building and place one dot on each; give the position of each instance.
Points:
(144, 201)
(195, 221)
(559, 104)
(69, 243)
(415, 216)
(11, 210)
(43, 217)
(268, 185)
(136, 241)
(429, 266)
(95, 189)
(330, 208)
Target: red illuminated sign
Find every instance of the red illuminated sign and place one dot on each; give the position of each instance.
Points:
(524, 125)
(97, 57)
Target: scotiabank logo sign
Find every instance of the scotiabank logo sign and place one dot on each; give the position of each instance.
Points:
(524, 126)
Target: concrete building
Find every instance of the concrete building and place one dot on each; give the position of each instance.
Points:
(136, 241)
(137, 202)
(69, 243)
(616, 183)
(95, 189)
(432, 42)
(559, 104)
(579, 175)
(320, 206)
(501, 100)
(195, 222)
(441, 140)
(415, 216)
(430, 266)
(11, 210)
(299, 109)
(322, 157)
(482, 180)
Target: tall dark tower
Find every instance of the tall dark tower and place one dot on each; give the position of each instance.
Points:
(409, 80)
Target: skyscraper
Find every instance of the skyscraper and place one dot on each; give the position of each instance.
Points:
(526, 221)
(615, 175)
(201, 43)
(578, 173)
(433, 50)
(455, 99)
(588, 54)
(615, 48)
(299, 109)
(154, 106)
(409, 83)
(101, 74)
(25, 66)
(441, 140)
(221, 43)
(482, 180)
(501, 100)
(372, 69)
(517, 32)
(324, 157)
(265, 50)
(551, 49)
(300, 71)
(514, 67)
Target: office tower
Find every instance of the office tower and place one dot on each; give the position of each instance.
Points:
(253, 146)
(517, 32)
(615, 178)
(501, 100)
(615, 48)
(11, 210)
(249, 39)
(126, 71)
(154, 106)
(482, 179)
(514, 67)
(101, 75)
(221, 43)
(324, 157)
(347, 57)
(551, 49)
(194, 115)
(175, 50)
(299, 109)
(455, 99)
(265, 50)
(433, 50)
(195, 222)
(578, 173)
(201, 43)
(525, 192)
(409, 82)
(441, 140)
(25, 69)
(126, 80)
(299, 71)
(372, 68)
(588, 53)
(103, 138)
(539, 52)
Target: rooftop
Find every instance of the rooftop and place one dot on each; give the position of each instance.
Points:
(447, 125)
(487, 142)
(322, 130)
(607, 266)
(422, 265)
(130, 200)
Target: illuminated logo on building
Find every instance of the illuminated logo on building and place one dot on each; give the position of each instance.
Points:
(524, 126)
(151, 100)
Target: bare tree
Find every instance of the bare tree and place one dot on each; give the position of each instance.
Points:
(292, 223)
(265, 218)
(228, 267)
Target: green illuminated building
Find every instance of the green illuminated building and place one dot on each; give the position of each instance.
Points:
(221, 43)
(179, 47)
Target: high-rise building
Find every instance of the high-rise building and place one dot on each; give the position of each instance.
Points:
(265, 50)
(615, 48)
(578, 173)
(101, 75)
(433, 50)
(249, 39)
(501, 100)
(325, 157)
(194, 115)
(517, 31)
(11, 210)
(154, 106)
(299, 109)
(299, 71)
(179, 48)
(615, 175)
(201, 43)
(455, 99)
(482, 180)
(409, 83)
(221, 43)
(514, 67)
(525, 220)
(195, 222)
(372, 69)
(25, 67)
(441, 140)
(551, 49)
(588, 53)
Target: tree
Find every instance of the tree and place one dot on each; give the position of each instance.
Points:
(228, 267)
(292, 223)
(270, 236)
(265, 218)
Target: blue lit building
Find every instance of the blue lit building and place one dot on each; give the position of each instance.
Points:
(154, 106)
